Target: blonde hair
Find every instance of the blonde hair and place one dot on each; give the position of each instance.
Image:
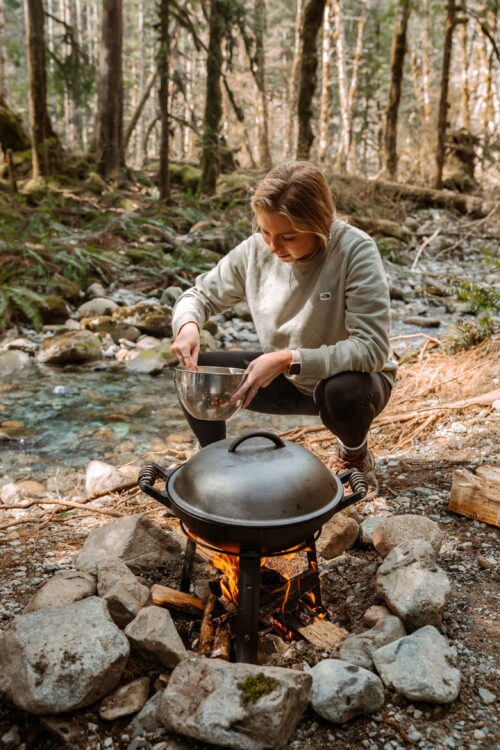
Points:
(299, 191)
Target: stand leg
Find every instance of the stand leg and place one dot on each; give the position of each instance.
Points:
(187, 568)
(247, 619)
(313, 565)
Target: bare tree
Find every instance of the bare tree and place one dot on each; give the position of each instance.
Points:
(109, 129)
(398, 52)
(450, 23)
(260, 76)
(313, 17)
(45, 147)
(210, 162)
(3, 53)
(324, 110)
(293, 86)
(163, 67)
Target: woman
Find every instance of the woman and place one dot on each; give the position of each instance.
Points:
(319, 299)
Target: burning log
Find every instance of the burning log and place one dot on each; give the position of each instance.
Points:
(222, 642)
(320, 633)
(166, 596)
(207, 628)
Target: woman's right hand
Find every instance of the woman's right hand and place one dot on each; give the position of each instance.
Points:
(187, 345)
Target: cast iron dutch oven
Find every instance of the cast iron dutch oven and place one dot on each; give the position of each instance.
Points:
(254, 491)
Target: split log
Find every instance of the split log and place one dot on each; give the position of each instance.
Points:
(322, 634)
(168, 597)
(477, 495)
(207, 628)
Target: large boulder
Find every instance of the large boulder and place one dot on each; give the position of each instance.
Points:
(153, 633)
(404, 528)
(65, 588)
(241, 706)
(420, 667)
(154, 319)
(72, 347)
(96, 307)
(341, 691)
(135, 539)
(413, 586)
(62, 659)
(358, 649)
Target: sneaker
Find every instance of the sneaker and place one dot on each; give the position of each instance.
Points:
(365, 462)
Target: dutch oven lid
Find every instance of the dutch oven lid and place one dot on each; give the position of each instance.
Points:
(257, 478)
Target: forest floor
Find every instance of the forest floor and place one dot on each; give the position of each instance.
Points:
(441, 417)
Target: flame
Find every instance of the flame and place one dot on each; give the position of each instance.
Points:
(229, 567)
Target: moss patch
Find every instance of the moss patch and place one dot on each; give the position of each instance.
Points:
(254, 687)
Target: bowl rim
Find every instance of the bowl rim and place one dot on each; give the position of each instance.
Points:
(212, 370)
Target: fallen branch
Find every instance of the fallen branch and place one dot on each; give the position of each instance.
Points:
(485, 398)
(64, 503)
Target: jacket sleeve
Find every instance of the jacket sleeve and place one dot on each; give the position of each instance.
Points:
(214, 291)
(367, 319)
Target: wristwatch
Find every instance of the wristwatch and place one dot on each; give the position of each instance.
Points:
(294, 368)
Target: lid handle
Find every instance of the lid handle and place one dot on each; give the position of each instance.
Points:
(278, 442)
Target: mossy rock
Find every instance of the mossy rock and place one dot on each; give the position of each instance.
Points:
(72, 347)
(186, 175)
(54, 309)
(95, 183)
(66, 288)
(256, 686)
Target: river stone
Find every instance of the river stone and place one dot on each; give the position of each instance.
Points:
(153, 633)
(219, 711)
(413, 586)
(375, 613)
(95, 290)
(62, 659)
(64, 588)
(125, 700)
(341, 691)
(396, 529)
(367, 528)
(170, 295)
(71, 347)
(154, 319)
(103, 477)
(148, 719)
(419, 666)
(358, 649)
(121, 590)
(12, 361)
(337, 535)
(137, 541)
(151, 361)
(96, 307)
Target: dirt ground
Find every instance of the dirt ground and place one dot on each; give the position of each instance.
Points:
(439, 419)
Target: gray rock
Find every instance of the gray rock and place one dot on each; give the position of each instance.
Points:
(12, 361)
(71, 347)
(241, 706)
(65, 588)
(123, 593)
(95, 290)
(151, 361)
(170, 295)
(487, 696)
(154, 319)
(337, 535)
(153, 632)
(125, 700)
(358, 649)
(413, 586)
(367, 528)
(148, 719)
(96, 307)
(341, 691)
(404, 528)
(375, 613)
(134, 539)
(61, 659)
(419, 666)
(103, 477)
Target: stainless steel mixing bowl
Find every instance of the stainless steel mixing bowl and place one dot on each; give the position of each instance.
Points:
(205, 392)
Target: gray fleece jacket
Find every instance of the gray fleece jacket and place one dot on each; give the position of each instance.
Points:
(334, 306)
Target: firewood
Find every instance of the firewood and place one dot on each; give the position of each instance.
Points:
(222, 642)
(477, 495)
(322, 634)
(207, 628)
(166, 596)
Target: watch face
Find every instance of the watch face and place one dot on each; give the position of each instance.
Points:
(294, 369)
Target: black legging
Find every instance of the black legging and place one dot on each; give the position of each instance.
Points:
(347, 403)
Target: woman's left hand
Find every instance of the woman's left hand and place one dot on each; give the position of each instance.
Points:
(260, 372)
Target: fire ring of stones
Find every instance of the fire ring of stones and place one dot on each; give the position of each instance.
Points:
(71, 646)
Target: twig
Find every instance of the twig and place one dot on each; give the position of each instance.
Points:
(423, 246)
(66, 504)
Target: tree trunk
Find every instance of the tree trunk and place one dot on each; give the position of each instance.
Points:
(46, 152)
(13, 136)
(426, 65)
(397, 62)
(313, 16)
(324, 110)
(264, 153)
(3, 53)
(338, 12)
(443, 98)
(465, 92)
(210, 161)
(293, 83)
(109, 132)
(163, 67)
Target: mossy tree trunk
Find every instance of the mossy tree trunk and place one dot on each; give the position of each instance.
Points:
(109, 127)
(443, 97)
(313, 18)
(46, 150)
(210, 162)
(260, 77)
(12, 133)
(398, 53)
(163, 69)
